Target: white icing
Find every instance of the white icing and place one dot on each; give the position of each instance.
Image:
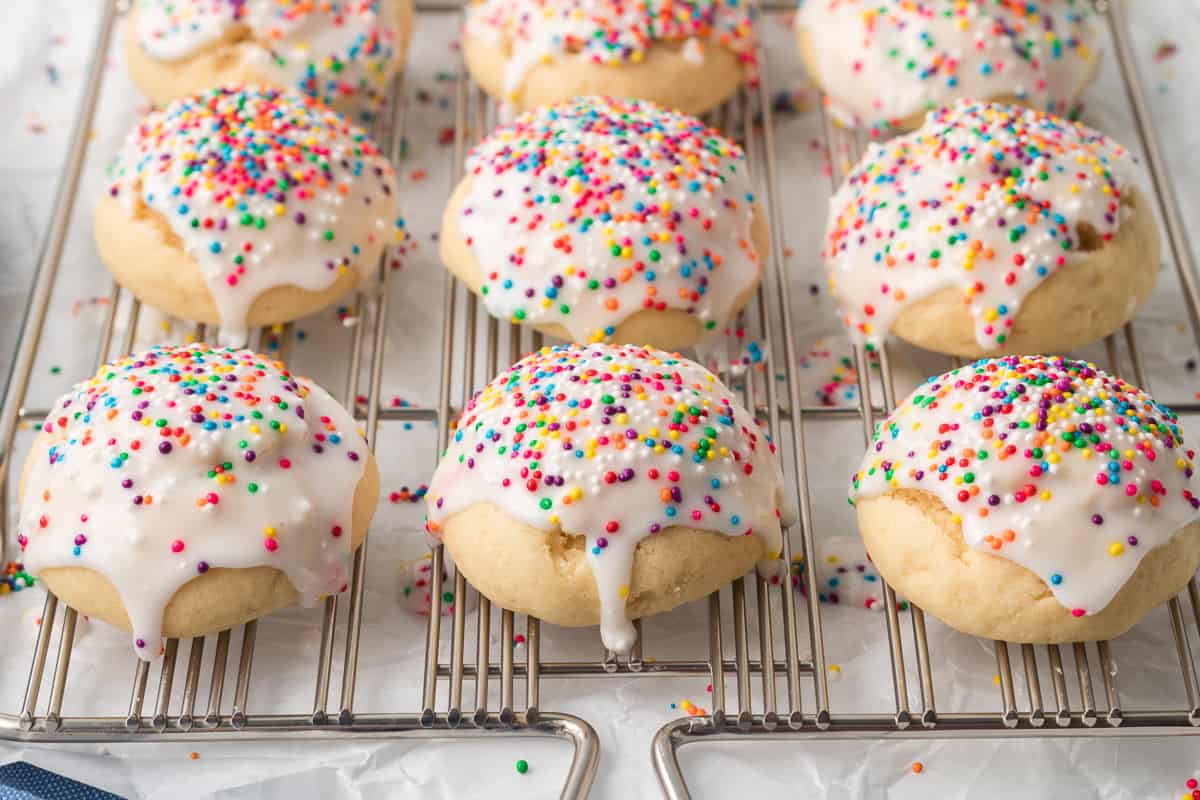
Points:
(881, 61)
(126, 483)
(1083, 475)
(332, 51)
(264, 188)
(606, 32)
(609, 466)
(584, 213)
(985, 197)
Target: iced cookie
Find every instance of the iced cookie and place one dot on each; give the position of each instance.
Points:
(600, 484)
(344, 53)
(1031, 499)
(243, 207)
(689, 55)
(992, 229)
(884, 63)
(188, 489)
(608, 220)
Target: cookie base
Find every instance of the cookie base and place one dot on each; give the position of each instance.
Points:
(664, 76)
(918, 548)
(546, 573)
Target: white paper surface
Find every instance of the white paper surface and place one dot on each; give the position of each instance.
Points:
(44, 46)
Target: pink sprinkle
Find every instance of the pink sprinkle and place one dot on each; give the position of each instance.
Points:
(177, 546)
(271, 544)
(1077, 612)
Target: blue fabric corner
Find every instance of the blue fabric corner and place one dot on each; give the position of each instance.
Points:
(23, 781)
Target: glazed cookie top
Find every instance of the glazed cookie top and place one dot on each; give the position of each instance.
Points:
(586, 212)
(881, 61)
(614, 444)
(1070, 472)
(988, 198)
(264, 188)
(334, 51)
(180, 459)
(608, 32)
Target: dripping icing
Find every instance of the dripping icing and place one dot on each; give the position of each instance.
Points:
(614, 444)
(182, 459)
(985, 197)
(1070, 472)
(264, 188)
(584, 213)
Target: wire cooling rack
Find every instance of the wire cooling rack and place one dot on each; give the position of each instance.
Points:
(1085, 703)
(165, 714)
(768, 683)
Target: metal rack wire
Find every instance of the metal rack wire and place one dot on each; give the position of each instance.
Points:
(778, 684)
(1090, 717)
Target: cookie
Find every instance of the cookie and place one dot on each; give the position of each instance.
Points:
(691, 56)
(992, 229)
(185, 490)
(243, 207)
(884, 63)
(1031, 499)
(343, 53)
(604, 483)
(608, 220)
